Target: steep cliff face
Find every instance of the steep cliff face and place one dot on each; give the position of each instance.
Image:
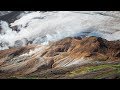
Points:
(66, 53)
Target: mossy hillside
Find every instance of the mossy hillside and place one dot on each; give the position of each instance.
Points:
(88, 69)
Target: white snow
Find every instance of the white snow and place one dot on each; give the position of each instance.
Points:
(60, 24)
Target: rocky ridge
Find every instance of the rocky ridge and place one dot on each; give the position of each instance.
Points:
(60, 58)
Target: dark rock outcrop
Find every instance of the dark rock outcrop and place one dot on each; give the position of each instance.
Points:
(10, 17)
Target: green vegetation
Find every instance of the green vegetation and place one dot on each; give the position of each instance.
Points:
(115, 69)
(93, 71)
(84, 70)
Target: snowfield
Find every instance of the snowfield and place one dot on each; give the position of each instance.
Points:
(44, 27)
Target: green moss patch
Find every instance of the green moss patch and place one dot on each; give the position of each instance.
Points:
(87, 69)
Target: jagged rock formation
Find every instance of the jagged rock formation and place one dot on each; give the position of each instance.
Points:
(61, 59)
(86, 47)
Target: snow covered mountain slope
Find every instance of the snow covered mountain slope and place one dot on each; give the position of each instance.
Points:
(43, 27)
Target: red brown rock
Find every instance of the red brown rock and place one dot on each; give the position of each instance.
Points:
(63, 53)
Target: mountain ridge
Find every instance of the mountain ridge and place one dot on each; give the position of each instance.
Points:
(16, 62)
(60, 44)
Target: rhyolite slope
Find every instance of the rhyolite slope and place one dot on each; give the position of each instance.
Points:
(72, 57)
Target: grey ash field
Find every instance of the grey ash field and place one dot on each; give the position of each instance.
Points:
(59, 45)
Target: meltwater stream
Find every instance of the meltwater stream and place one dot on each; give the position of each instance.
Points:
(44, 27)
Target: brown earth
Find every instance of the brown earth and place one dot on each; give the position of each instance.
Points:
(61, 54)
